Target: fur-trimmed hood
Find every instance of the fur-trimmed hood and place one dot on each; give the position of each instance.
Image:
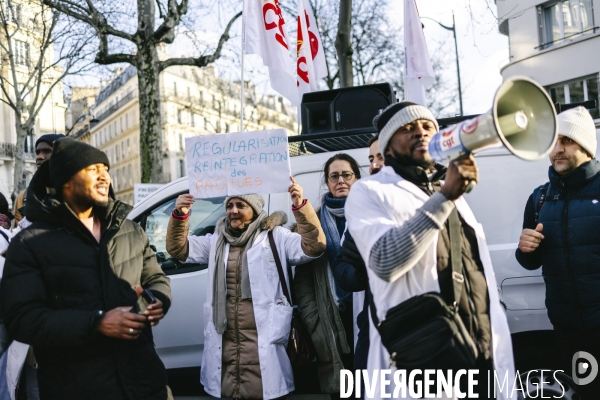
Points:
(278, 218)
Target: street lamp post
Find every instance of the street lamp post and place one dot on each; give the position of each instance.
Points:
(453, 29)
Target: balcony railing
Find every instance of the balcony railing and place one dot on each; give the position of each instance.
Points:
(115, 107)
(10, 150)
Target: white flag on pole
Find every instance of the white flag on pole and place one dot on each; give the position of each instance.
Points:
(418, 72)
(309, 48)
(264, 34)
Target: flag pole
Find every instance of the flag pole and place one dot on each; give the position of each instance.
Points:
(242, 83)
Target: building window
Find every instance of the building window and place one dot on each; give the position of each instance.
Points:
(118, 152)
(175, 89)
(192, 120)
(21, 53)
(179, 116)
(577, 91)
(565, 19)
(13, 12)
(126, 121)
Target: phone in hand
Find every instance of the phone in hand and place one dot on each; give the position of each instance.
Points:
(145, 300)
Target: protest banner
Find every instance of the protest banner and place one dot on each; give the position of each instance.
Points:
(143, 190)
(238, 163)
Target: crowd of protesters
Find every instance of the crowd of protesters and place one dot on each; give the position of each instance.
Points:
(82, 286)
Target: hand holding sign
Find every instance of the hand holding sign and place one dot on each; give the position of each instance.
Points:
(184, 203)
(296, 193)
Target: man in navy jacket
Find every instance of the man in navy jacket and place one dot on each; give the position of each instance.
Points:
(560, 234)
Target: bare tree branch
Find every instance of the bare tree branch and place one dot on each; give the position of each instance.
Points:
(204, 60)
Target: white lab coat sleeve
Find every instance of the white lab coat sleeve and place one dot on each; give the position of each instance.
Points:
(293, 246)
(199, 249)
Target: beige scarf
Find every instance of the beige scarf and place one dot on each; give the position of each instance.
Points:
(219, 285)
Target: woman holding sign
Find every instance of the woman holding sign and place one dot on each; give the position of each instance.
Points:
(247, 317)
(326, 308)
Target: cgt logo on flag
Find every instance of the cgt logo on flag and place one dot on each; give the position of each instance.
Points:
(275, 20)
(310, 62)
(314, 48)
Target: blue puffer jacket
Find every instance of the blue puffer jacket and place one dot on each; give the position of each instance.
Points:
(570, 251)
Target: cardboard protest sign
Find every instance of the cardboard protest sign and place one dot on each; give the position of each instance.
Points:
(238, 163)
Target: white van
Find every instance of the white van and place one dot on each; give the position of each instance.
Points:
(498, 202)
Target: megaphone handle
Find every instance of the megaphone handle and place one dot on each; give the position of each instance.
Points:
(470, 186)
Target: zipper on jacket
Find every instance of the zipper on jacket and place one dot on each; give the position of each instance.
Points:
(238, 296)
(328, 316)
(567, 258)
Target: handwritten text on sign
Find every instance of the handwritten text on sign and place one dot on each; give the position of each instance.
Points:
(238, 163)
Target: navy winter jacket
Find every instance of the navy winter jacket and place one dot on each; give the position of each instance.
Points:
(570, 251)
(350, 272)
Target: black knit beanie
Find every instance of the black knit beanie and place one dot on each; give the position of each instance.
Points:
(69, 156)
(49, 138)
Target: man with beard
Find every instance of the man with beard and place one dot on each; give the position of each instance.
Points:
(400, 219)
(43, 152)
(376, 161)
(72, 281)
(560, 234)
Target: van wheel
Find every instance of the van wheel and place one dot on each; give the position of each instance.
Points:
(556, 385)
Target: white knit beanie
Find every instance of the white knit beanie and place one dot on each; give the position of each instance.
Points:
(396, 116)
(577, 124)
(255, 201)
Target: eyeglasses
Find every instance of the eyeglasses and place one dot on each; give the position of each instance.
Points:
(335, 177)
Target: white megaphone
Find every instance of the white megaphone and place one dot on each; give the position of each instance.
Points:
(522, 118)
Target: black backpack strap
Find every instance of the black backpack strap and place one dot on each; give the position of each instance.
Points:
(282, 280)
(455, 259)
(456, 254)
(539, 197)
(5, 236)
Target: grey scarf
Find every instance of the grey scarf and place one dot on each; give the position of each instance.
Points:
(219, 284)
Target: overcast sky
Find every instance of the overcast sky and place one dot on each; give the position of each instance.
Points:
(482, 49)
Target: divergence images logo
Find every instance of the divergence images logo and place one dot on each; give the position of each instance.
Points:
(584, 368)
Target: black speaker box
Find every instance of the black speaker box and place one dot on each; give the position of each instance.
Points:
(347, 110)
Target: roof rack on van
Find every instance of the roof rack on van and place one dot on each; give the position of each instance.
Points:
(345, 140)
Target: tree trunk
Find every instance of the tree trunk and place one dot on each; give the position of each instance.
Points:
(19, 156)
(343, 43)
(150, 119)
(148, 72)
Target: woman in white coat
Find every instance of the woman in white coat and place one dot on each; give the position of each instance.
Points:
(247, 318)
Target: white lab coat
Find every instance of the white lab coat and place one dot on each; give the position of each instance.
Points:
(273, 322)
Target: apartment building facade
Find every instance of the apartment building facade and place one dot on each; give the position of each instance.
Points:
(25, 36)
(194, 102)
(557, 43)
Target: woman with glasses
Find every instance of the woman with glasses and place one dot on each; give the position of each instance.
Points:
(325, 308)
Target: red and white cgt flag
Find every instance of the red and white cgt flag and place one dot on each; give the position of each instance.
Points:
(309, 49)
(264, 34)
(418, 73)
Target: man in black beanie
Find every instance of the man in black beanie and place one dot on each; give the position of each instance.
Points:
(43, 152)
(72, 284)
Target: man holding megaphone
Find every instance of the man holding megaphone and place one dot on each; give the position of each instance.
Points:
(426, 258)
(561, 234)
